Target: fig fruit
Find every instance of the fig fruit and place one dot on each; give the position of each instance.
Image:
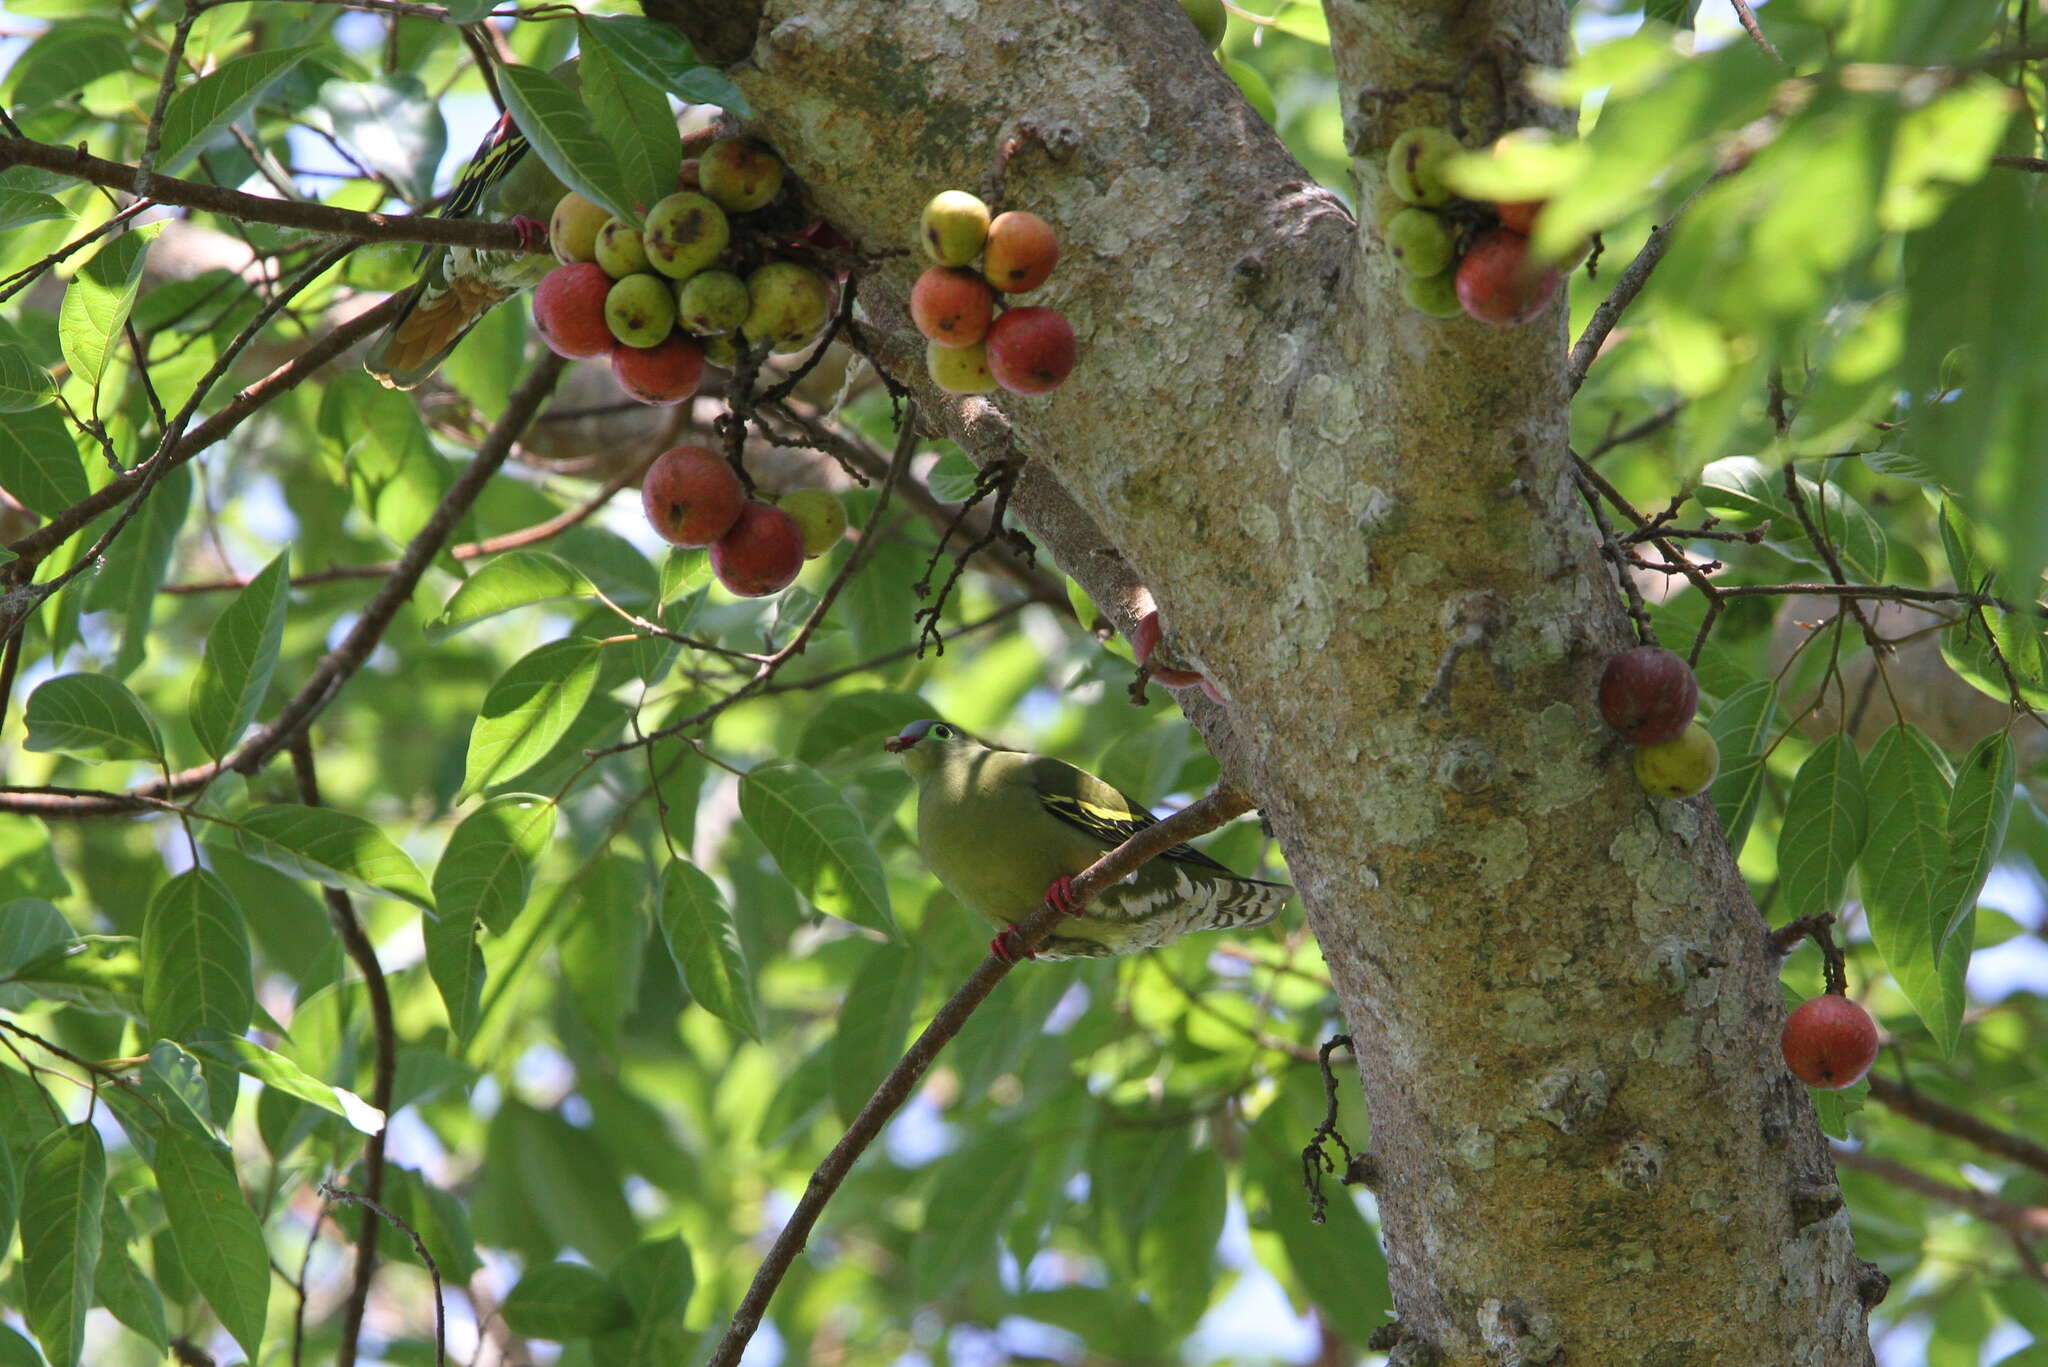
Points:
(691, 495)
(1649, 694)
(959, 369)
(739, 175)
(953, 227)
(1419, 240)
(1499, 283)
(1829, 1042)
(711, 302)
(761, 553)
(820, 519)
(1415, 162)
(1680, 767)
(685, 233)
(787, 305)
(620, 249)
(663, 374)
(1031, 350)
(569, 310)
(1435, 295)
(952, 306)
(573, 228)
(640, 309)
(1021, 252)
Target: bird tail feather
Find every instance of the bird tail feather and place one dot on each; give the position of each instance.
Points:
(415, 343)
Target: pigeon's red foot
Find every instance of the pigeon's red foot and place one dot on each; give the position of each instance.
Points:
(1061, 896)
(533, 234)
(1009, 948)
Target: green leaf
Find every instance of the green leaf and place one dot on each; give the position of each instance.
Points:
(380, 444)
(119, 1285)
(278, 1072)
(873, 1020)
(195, 959)
(16, 1351)
(29, 928)
(1978, 810)
(23, 384)
(1336, 1264)
(18, 208)
(456, 965)
(664, 57)
(633, 114)
(10, 1193)
(199, 112)
(554, 121)
(1177, 1247)
(528, 709)
(98, 300)
(565, 1301)
(91, 717)
(972, 1195)
(39, 463)
(706, 947)
(503, 583)
(1741, 726)
(333, 848)
(857, 722)
(953, 479)
(1827, 817)
(1903, 868)
(64, 1184)
(218, 1237)
(656, 1278)
(486, 873)
(97, 972)
(241, 655)
(818, 842)
(66, 59)
(1744, 491)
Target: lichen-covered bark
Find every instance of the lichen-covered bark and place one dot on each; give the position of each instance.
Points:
(1565, 1008)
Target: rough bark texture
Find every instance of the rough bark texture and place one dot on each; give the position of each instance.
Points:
(1566, 1012)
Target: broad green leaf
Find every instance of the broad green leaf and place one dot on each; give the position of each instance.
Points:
(656, 1279)
(1337, 1264)
(528, 709)
(29, 928)
(1177, 1247)
(129, 582)
(23, 384)
(241, 655)
(873, 1020)
(98, 300)
(633, 115)
(195, 959)
(10, 1190)
(377, 441)
(39, 463)
(456, 965)
(199, 112)
(335, 849)
(219, 1239)
(972, 1195)
(118, 1283)
(1978, 810)
(1742, 726)
(279, 1072)
(706, 947)
(564, 1181)
(439, 1218)
(486, 872)
(512, 580)
(1902, 870)
(1827, 817)
(554, 121)
(859, 722)
(91, 717)
(1745, 491)
(18, 208)
(664, 57)
(818, 842)
(67, 58)
(565, 1301)
(953, 478)
(97, 972)
(16, 1351)
(63, 1184)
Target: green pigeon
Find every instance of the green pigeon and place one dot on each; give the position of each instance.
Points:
(1004, 831)
(459, 285)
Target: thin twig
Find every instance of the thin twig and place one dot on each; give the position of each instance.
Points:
(1626, 287)
(333, 1193)
(1212, 811)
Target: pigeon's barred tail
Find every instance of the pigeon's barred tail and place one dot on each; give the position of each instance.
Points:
(1194, 900)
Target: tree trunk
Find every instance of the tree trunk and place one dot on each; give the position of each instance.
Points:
(1361, 523)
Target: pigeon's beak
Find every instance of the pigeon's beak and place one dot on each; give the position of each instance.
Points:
(896, 745)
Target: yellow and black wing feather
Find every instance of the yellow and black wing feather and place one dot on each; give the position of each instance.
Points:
(1104, 814)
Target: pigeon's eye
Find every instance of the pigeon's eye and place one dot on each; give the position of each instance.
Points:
(943, 732)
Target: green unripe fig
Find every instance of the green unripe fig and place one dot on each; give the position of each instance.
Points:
(711, 302)
(953, 227)
(1386, 204)
(959, 369)
(1681, 767)
(820, 517)
(620, 249)
(1414, 165)
(787, 304)
(740, 176)
(685, 233)
(722, 349)
(640, 309)
(1435, 295)
(573, 228)
(1419, 240)
(1210, 20)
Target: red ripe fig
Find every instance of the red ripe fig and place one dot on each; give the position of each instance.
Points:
(1648, 694)
(568, 309)
(952, 306)
(1022, 249)
(761, 554)
(1499, 284)
(1829, 1042)
(691, 495)
(1519, 215)
(1145, 637)
(662, 374)
(1031, 350)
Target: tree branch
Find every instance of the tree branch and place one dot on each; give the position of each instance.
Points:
(1220, 806)
(213, 199)
(1947, 1119)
